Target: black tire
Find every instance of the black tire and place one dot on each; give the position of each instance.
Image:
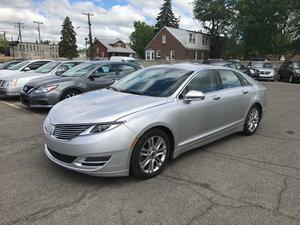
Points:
(278, 77)
(69, 93)
(135, 163)
(249, 119)
(291, 78)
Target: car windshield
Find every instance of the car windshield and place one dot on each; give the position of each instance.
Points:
(157, 82)
(132, 61)
(296, 65)
(20, 65)
(48, 67)
(262, 65)
(80, 70)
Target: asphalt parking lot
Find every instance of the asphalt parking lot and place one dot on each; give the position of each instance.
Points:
(237, 180)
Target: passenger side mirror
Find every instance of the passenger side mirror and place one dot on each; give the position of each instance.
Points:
(58, 73)
(194, 96)
(26, 69)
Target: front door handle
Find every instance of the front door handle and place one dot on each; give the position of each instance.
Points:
(245, 92)
(216, 98)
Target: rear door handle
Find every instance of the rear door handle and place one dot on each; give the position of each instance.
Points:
(216, 98)
(245, 92)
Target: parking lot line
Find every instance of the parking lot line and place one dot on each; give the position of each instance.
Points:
(11, 105)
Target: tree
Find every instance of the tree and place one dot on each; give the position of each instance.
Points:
(141, 37)
(216, 16)
(2, 44)
(67, 44)
(166, 17)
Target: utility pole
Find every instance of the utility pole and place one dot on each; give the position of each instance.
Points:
(90, 34)
(40, 40)
(13, 47)
(39, 30)
(86, 41)
(5, 43)
(20, 26)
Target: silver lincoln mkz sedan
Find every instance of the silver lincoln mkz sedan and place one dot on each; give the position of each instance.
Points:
(151, 116)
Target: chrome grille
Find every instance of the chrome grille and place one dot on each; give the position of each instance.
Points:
(69, 131)
(2, 82)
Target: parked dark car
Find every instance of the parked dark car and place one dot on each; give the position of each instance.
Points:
(238, 66)
(46, 92)
(9, 64)
(289, 70)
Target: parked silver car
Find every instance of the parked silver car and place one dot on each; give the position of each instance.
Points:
(152, 115)
(12, 85)
(266, 70)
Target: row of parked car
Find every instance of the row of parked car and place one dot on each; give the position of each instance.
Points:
(263, 70)
(43, 83)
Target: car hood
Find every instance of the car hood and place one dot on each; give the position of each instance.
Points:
(265, 69)
(4, 73)
(19, 75)
(101, 106)
(49, 79)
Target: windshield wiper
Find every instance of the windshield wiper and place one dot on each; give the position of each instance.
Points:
(133, 92)
(113, 88)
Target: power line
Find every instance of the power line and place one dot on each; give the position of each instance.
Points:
(20, 26)
(90, 34)
(39, 30)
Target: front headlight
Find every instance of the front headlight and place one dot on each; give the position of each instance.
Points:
(98, 128)
(12, 83)
(47, 125)
(45, 89)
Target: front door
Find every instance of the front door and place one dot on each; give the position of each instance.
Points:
(102, 77)
(201, 118)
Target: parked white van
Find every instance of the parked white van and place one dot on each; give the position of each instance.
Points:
(124, 59)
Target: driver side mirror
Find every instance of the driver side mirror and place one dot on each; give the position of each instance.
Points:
(26, 69)
(194, 96)
(57, 73)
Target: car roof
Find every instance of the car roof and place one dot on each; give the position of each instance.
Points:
(192, 66)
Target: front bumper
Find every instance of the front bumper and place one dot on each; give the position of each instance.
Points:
(266, 76)
(10, 91)
(38, 101)
(113, 145)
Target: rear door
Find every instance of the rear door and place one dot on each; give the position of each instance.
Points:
(236, 96)
(102, 77)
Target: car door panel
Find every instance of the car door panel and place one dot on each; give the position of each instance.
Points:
(201, 118)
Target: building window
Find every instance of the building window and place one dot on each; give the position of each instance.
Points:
(158, 54)
(34, 48)
(164, 39)
(149, 55)
(97, 51)
(172, 55)
(192, 38)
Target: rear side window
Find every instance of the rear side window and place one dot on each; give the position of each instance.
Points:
(204, 82)
(126, 69)
(229, 79)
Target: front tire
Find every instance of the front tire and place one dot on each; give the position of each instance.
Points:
(150, 154)
(252, 120)
(69, 94)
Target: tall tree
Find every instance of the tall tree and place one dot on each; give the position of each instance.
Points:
(67, 44)
(140, 38)
(216, 16)
(166, 17)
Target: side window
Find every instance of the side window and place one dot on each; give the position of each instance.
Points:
(204, 82)
(245, 82)
(36, 65)
(229, 79)
(240, 66)
(125, 69)
(105, 70)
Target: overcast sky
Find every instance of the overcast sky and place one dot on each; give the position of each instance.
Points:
(112, 18)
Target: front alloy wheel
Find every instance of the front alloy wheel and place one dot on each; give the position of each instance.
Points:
(252, 121)
(150, 154)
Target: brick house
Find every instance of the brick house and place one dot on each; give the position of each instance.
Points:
(178, 44)
(105, 48)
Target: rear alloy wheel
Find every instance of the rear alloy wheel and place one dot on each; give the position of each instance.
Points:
(150, 155)
(69, 94)
(252, 121)
(291, 78)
